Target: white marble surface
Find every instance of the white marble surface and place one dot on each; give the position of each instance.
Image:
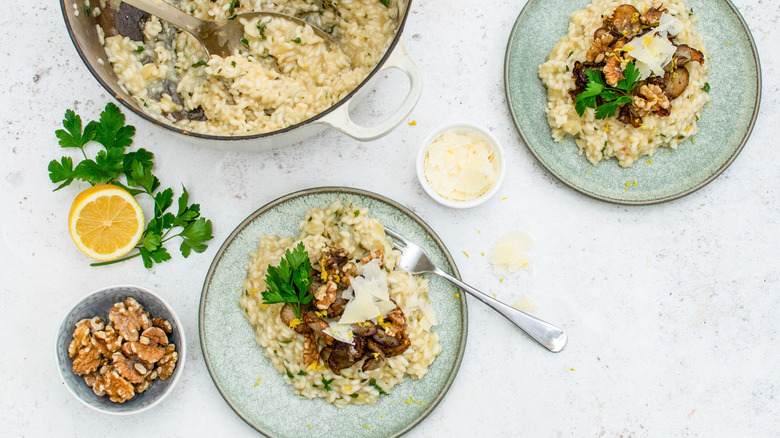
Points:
(671, 309)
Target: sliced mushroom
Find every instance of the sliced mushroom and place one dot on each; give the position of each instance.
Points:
(600, 32)
(364, 329)
(405, 343)
(683, 55)
(675, 82)
(628, 116)
(375, 356)
(345, 355)
(325, 354)
(384, 340)
(625, 20)
(287, 314)
(319, 326)
(337, 308)
(652, 17)
(130, 21)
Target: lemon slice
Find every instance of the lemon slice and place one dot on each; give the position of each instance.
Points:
(105, 222)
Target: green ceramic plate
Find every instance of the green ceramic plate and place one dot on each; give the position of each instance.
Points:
(735, 78)
(236, 361)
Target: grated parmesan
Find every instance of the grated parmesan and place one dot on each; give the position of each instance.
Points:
(460, 165)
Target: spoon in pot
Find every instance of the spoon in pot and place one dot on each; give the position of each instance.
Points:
(219, 37)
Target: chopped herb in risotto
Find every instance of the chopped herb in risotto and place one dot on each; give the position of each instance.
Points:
(285, 75)
(628, 78)
(334, 314)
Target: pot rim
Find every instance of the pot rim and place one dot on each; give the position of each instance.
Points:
(176, 129)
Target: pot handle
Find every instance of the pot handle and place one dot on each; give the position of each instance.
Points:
(340, 119)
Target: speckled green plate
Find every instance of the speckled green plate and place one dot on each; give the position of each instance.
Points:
(236, 361)
(734, 76)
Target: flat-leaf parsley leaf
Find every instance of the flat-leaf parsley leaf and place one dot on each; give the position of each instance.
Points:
(612, 97)
(289, 282)
(113, 162)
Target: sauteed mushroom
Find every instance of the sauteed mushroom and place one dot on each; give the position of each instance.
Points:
(675, 82)
(625, 20)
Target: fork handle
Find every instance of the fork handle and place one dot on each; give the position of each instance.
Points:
(553, 338)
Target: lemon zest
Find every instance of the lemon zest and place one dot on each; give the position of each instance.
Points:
(258, 381)
(412, 400)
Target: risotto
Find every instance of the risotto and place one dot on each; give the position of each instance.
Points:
(285, 75)
(626, 137)
(363, 246)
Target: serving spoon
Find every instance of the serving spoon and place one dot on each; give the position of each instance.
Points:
(218, 37)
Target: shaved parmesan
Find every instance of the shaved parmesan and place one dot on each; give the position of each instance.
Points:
(460, 165)
(526, 305)
(368, 297)
(653, 51)
(509, 253)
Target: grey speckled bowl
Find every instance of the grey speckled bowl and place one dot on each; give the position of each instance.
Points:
(248, 380)
(734, 76)
(99, 303)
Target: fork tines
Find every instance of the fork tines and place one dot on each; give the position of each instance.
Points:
(396, 236)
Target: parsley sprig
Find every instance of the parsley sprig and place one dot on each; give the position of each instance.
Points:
(289, 282)
(613, 97)
(112, 163)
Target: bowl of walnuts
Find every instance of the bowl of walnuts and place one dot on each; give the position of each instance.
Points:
(120, 350)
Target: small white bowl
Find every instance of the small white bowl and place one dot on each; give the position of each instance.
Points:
(489, 139)
(99, 303)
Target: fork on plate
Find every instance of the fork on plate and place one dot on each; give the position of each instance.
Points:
(415, 261)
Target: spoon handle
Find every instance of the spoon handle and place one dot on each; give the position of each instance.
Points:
(169, 13)
(553, 338)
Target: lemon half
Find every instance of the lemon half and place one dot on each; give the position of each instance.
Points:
(105, 222)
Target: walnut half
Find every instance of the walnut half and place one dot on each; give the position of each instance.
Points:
(124, 357)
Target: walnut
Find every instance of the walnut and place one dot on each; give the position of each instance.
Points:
(162, 324)
(87, 360)
(81, 338)
(128, 318)
(153, 336)
(126, 356)
(397, 320)
(326, 295)
(131, 368)
(107, 340)
(651, 99)
(92, 377)
(336, 266)
(117, 388)
(599, 49)
(146, 352)
(146, 384)
(378, 254)
(168, 362)
(613, 71)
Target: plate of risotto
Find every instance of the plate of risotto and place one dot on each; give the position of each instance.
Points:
(633, 101)
(308, 328)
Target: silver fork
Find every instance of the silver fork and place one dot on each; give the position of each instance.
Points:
(415, 261)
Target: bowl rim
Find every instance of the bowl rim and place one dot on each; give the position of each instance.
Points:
(64, 5)
(488, 137)
(181, 349)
